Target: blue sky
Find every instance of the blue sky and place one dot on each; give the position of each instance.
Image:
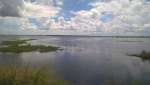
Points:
(75, 17)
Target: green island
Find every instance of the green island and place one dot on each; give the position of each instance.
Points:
(144, 55)
(19, 46)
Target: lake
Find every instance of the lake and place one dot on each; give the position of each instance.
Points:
(87, 60)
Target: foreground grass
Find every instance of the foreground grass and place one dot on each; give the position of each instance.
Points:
(17, 74)
(144, 55)
(19, 46)
(26, 75)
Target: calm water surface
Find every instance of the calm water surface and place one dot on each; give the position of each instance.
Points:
(87, 60)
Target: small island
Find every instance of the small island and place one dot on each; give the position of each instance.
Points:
(19, 46)
(144, 55)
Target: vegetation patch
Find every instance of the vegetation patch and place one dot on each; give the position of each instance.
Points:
(19, 46)
(144, 55)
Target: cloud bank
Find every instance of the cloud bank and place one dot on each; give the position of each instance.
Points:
(105, 17)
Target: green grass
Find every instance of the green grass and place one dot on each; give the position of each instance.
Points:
(15, 42)
(26, 75)
(17, 74)
(19, 46)
(144, 55)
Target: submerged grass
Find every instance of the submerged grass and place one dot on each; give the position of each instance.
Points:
(144, 55)
(19, 46)
(26, 75)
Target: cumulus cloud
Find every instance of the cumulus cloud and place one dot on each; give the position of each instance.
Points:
(130, 17)
(21, 8)
(87, 14)
(59, 2)
(16, 14)
(28, 26)
(34, 10)
(44, 1)
(16, 23)
(147, 26)
(105, 16)
(73, 25)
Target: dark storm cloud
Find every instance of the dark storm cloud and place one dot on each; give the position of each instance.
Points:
(12, 8)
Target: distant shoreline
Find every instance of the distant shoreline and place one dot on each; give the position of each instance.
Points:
(85, 36)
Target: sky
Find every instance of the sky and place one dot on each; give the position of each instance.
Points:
(75, 17)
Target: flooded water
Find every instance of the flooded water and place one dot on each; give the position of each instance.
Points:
(87, 60)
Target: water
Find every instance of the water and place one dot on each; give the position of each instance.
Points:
(87, 60)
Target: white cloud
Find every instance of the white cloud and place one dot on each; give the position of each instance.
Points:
(93, 14)
(74, 25)
(34, 10)
(147, 26)
(59, 2)
(44, 1)
(18, 23)
(21, 8)
(28, 26)
(129, 16)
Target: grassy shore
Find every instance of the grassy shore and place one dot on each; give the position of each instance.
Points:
(17, 74)
(26, 75)
(19, 46)
(144, 55)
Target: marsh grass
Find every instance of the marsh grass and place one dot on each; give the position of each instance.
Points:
(19, 46)
(17, 74)
(15, 42)
(144, 55)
